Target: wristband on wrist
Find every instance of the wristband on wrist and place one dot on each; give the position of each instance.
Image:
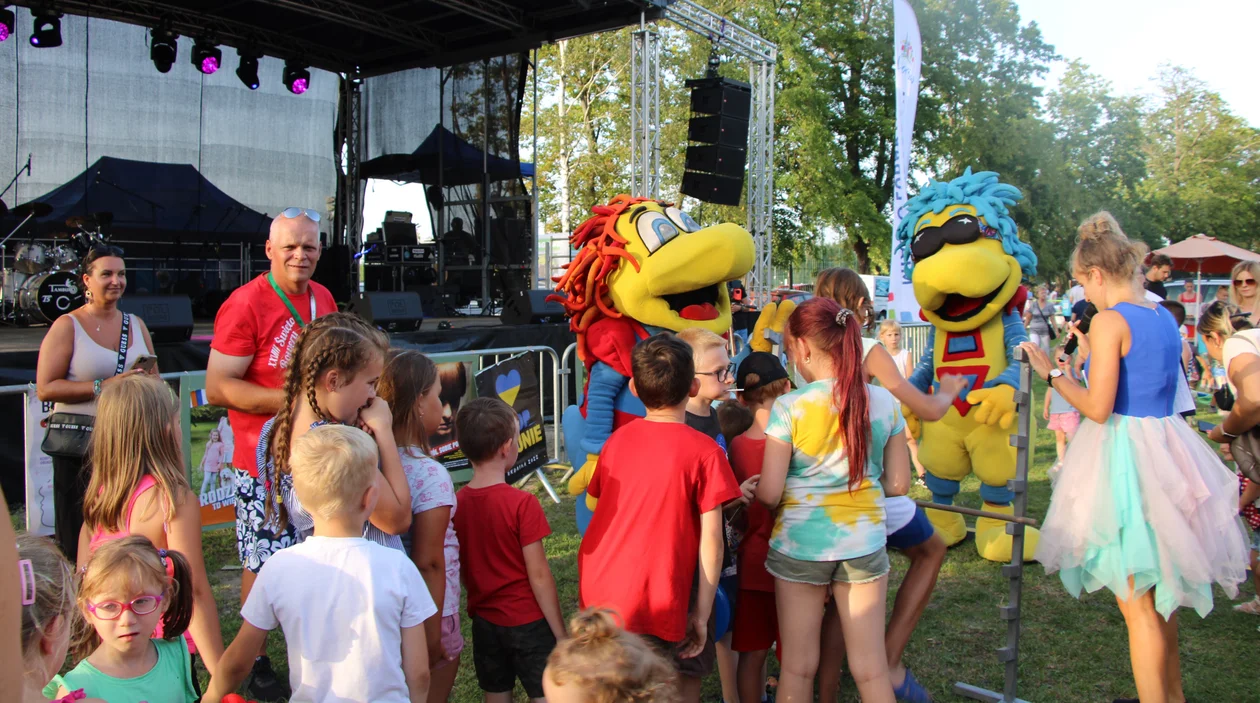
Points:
(96, 388)
(1227, 434)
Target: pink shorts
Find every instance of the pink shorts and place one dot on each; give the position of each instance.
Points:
(1067, 422)
(452, 640)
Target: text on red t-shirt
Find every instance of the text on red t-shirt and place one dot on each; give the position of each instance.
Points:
(254, 322)
(654, 480)
(494, 525)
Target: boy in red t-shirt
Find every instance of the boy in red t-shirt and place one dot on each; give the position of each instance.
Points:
(755, 624)
(512, 597)
(661, 486)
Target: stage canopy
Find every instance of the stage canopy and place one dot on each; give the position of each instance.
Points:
(443, 158)
(142, 197)
(374, 37)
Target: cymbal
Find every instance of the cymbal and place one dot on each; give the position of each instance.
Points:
(85, 221)
(33, 208)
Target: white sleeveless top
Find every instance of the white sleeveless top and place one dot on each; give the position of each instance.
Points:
(91, 361)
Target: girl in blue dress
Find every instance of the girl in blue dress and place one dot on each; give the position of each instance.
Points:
(1143, 506)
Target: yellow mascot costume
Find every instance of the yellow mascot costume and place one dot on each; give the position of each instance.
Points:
(961, 248)
(640, 267)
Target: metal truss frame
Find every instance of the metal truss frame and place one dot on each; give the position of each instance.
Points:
(762, 55)
(348, 215)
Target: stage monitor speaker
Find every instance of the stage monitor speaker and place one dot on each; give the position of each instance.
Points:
(710, 188)
(723, 160)
(523, 307)
(333, 271)
(720, 130)
(392, 312)
(720, 96)
(168, 317)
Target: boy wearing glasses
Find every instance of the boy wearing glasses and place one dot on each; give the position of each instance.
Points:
(715, 373)
(661, 486)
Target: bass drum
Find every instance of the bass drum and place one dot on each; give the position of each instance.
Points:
(50, 295)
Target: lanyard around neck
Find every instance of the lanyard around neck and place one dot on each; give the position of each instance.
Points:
(285, 299)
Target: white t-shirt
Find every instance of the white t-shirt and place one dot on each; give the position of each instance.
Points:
(900, 511)
(342, 603)
(1076, 294)
(1245, 342)
(431, 487)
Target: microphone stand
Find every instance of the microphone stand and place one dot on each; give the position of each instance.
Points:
(26, 168)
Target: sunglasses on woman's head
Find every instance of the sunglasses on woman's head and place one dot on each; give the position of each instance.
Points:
(295, 212)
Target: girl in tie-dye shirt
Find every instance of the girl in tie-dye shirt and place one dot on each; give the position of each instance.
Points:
(834, 448)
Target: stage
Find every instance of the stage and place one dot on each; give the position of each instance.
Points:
(19, 352)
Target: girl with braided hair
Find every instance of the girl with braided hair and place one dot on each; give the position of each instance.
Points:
(332, 379)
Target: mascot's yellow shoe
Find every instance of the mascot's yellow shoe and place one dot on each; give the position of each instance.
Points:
(582, 478)
(950, 526)
(994, 544)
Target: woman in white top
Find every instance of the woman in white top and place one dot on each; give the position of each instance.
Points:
(79, 355)
(1231, 339)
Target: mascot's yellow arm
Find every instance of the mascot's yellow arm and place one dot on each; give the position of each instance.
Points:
(773, 318)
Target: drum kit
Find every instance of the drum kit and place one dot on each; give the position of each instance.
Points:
(43, 283)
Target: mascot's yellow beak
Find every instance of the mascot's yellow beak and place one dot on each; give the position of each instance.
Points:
(683, 269)
(960, 286)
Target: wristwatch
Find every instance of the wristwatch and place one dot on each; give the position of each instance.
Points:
(96, 388)
(1055, 373)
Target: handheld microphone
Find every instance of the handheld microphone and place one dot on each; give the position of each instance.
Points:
(1082, 327)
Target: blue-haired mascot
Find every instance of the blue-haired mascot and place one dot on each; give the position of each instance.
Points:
(967, 264)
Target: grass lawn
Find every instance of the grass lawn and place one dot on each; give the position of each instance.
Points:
(1070, 650)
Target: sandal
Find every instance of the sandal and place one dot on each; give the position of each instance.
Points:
(911, 691)
(1251, 607)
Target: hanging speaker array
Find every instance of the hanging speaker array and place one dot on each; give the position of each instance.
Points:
(717, 151)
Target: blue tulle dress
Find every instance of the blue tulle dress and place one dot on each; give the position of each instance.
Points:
(1142, 495)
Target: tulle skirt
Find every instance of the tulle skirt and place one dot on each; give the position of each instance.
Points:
(1145, 498)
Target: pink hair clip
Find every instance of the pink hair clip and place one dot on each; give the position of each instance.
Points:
(27, 573)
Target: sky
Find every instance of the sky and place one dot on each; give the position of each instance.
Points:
(1126, 42)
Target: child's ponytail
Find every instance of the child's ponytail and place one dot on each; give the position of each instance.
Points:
(180, 593)
(837, 331)
(606, 663)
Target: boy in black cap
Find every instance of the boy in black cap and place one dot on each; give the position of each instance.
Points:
(760, 379)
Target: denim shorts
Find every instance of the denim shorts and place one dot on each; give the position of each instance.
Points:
(863, 569)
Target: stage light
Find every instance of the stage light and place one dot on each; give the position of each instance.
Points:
(163, 48)
(47, 30)
(296, 77)
(247, 71)
(6, 23)
(206, 56)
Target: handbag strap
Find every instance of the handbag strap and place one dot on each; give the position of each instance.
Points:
(123, 340)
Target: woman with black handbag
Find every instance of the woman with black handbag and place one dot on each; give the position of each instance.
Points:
(1231, 339)
(1039, 320)
(84, 350)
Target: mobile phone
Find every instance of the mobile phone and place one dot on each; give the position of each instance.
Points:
(1205, 426)
(146, 363)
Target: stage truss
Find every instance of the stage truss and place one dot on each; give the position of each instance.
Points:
(645, 117)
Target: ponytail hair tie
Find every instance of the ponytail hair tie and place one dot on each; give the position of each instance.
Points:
(27, 572)
(842, 317)
(168, 563)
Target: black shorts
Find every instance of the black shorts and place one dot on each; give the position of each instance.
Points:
(501, 655)
(700, 665)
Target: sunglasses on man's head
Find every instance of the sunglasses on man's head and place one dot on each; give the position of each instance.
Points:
(1244, 281)
(295, 212)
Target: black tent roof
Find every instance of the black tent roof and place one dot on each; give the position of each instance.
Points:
(375, 37)
(460, 163)
(143, 195)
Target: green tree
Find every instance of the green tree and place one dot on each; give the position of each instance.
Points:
(1204, 164)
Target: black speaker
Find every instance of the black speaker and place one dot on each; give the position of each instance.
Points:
(720, 96)
(392, 312)
(333, 271)
(396, 233)
(523, 307)
(722, 160)
(719, 129)
(715, 167)
(711, 188)
(168, 317)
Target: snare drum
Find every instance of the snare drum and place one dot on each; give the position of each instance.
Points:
(32, 257)
(64, 258)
